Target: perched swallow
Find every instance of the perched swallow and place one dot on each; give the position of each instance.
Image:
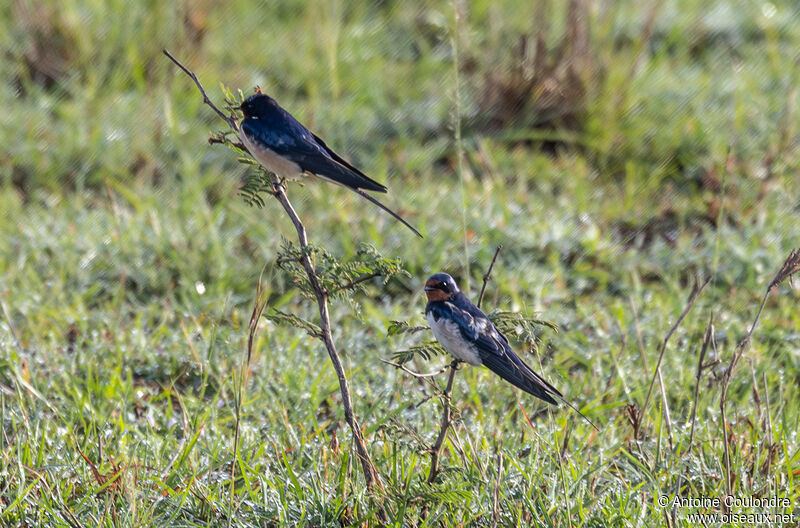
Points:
(468, 334)
(285, 147)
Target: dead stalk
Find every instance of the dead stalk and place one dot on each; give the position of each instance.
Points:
(496, 494)
(700, 367)
(665, 406)
(769, 413)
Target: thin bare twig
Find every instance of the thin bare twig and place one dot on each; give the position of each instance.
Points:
(488, 274)
(371, 475)
(231, 121)
(675, 326)
(258, 309)
(415, 374)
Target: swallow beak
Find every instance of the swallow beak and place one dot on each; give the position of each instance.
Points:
(429, 288)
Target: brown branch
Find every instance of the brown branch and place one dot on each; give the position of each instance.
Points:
(279, 191)
(445, 422)
(436, 450)
(370, 473)
(675, 326)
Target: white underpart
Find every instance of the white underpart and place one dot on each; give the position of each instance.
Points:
(449, 335)
(279, 165)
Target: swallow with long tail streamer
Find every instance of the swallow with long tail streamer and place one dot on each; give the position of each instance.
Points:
(288, 149)
(468, 334)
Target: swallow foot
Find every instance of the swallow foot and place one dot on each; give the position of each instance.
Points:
(278, 185)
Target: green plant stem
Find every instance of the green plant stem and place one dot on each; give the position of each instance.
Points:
(457, 8)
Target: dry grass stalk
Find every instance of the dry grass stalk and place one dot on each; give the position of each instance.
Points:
(692, 298)
(790, 266)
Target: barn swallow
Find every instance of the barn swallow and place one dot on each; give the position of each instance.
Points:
(468, 334)
(288, 149)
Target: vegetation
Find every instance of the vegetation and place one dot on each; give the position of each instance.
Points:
(621, 154)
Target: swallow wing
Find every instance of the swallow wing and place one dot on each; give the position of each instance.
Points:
(495, 352)
(375, 186)
(288, 138)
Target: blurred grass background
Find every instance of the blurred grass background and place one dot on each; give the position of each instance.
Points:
(618, 151)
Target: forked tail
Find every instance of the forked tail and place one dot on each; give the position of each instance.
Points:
(376, 202)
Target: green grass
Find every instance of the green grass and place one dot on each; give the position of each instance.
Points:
(128, 265)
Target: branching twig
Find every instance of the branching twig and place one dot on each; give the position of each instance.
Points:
(675, 326)
(370, 473)
(279, 191)
(445, 423)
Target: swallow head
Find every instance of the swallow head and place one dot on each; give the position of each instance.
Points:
(257, 105)
(440, 287)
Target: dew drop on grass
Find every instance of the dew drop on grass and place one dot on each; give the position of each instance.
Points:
(200, 287)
